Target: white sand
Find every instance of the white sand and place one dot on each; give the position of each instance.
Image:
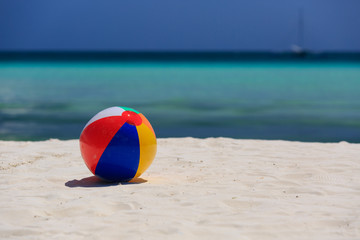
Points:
(195, 189)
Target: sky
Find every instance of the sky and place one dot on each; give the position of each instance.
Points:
(178, 25)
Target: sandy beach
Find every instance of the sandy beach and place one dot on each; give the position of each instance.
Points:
(215, 188)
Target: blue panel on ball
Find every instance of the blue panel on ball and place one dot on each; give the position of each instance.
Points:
(120, 160)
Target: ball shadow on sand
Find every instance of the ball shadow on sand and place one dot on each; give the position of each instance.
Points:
(94, 181)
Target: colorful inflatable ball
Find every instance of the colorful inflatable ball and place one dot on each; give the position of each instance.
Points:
(118, 144)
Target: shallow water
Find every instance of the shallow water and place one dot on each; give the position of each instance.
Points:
(303, 101)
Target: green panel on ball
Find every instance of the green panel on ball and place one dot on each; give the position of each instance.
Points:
(130, 109)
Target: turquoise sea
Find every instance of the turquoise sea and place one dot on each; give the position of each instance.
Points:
(289, 100)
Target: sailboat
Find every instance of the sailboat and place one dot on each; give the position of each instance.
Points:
(298, 48)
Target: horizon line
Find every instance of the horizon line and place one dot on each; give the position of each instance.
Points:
(110, 55)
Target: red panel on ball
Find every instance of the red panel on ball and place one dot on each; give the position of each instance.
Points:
(132, 118)
(95, 138)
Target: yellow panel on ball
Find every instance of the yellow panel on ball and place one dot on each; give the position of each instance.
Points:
(148, 146)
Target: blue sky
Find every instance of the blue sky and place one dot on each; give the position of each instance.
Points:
(178, 25)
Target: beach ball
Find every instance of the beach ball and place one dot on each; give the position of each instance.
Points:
(118, 144)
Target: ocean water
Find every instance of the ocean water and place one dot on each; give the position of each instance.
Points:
(294, 100)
